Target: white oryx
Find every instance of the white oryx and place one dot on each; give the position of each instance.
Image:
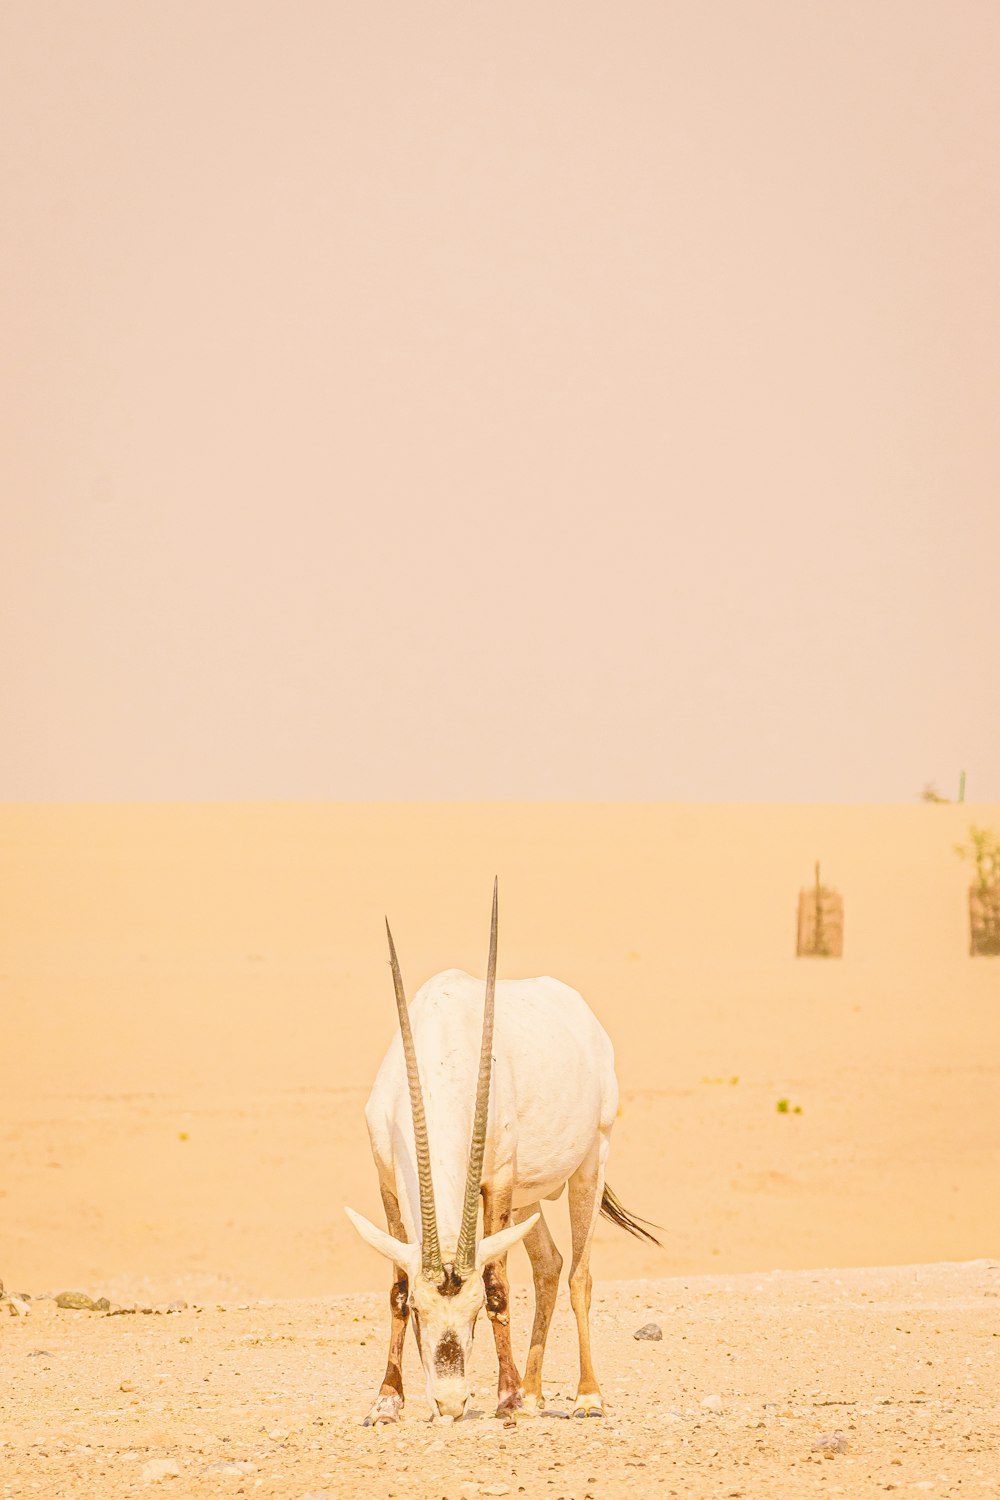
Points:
(438, 1143)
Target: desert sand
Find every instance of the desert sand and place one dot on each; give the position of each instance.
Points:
(781, 1385)
(194, 1001)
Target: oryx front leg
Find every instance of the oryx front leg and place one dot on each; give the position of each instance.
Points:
(546, 1263)
(388, 1405)
(586, 1187)
(497, 1216)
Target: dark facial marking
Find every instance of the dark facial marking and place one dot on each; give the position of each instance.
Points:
(451, 1283)
(448, 1356)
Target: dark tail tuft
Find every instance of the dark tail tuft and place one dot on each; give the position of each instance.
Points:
(611, 1208)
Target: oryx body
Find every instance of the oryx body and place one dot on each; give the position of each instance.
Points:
(553, 1099)
(524, 1069)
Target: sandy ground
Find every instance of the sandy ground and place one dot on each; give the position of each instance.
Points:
(193, 1002)
(898, 1370)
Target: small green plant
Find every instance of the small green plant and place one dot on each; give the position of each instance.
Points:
(983, 853)
(786, 1107)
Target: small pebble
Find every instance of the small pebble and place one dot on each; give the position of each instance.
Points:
(651, 1331)
(712, 1403)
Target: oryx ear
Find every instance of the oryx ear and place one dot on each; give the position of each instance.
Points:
(495, 1245)
(400, 1252)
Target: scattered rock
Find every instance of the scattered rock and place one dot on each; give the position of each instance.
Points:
(77, 1301)
(156, 1469)
(39, 1353)
(831, 1443)
(126, 1386)
(179, 1306)
(16, 1306)
(712, 1403)
(651, 1331)
(232, 1466)
(102, 1305)
(494, 1489)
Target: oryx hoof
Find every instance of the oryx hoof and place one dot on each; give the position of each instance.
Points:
(532, 1406)
(588, 1406)
(388, 1408)
(511, 1405)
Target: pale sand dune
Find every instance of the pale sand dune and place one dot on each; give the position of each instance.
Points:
(219, 973)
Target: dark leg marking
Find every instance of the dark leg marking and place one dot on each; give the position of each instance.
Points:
(496, 1216)
(496, 1292)
(398, 1307)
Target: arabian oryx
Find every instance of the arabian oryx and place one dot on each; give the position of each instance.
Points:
(439, 1141)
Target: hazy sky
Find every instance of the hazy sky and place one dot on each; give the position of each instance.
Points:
(426, 400)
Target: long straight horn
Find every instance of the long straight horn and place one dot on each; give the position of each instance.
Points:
(430, 1249)
(465, 1256)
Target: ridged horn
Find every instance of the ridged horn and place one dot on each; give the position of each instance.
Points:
(465, 1256)
(430, 1250)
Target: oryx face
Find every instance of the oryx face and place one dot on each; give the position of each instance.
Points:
(444, 1312)
(444, 1304)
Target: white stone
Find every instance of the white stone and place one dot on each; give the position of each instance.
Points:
(156, 1469)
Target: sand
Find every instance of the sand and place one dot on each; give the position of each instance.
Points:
(195, 998)
(897, 1370)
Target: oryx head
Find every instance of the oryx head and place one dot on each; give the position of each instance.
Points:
(445, 1297)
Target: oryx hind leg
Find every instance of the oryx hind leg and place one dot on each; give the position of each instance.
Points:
(497, 1215)
(388, 1405)
(586, 1188)
(546, 1263)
